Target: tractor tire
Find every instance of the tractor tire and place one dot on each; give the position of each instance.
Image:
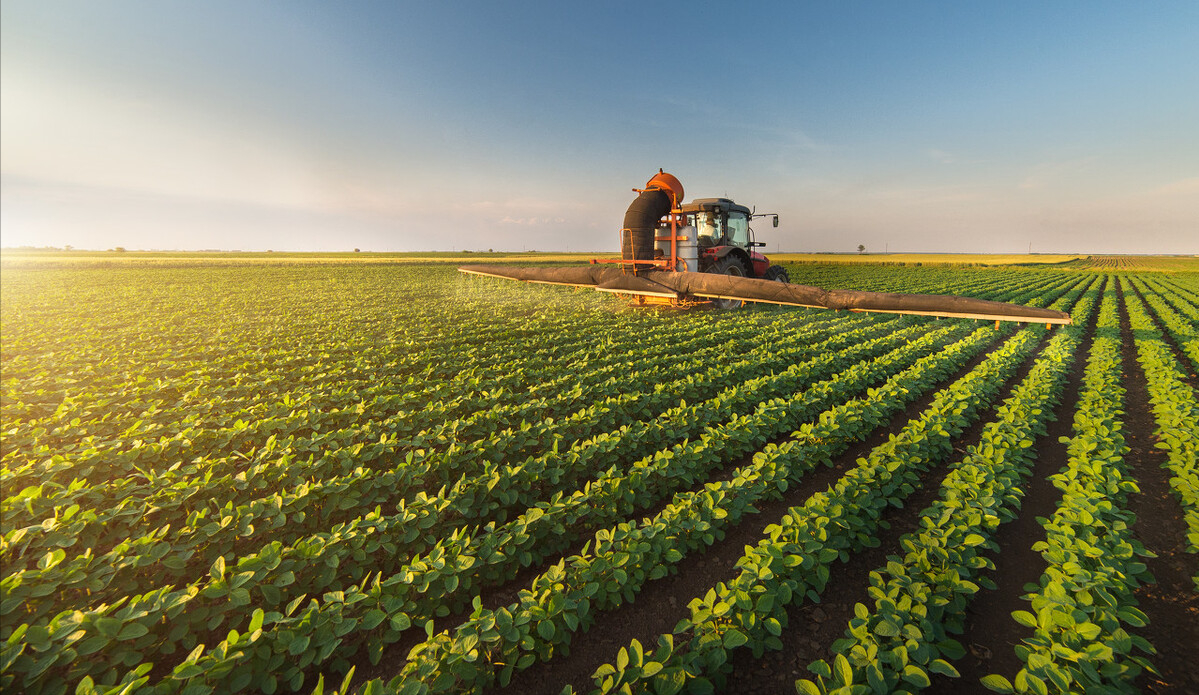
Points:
(777, 274)
(729, 265)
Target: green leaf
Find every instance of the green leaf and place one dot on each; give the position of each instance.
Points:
(1026, 681)
(821, 668)
(734, 638)
(1133, 616)
(997, 683)
(1025, 618)
(670, 682)
(951, 649)
(916, 676)
(1088, 631)
(843, 670)
(256, 620)
(400, 622)
(298, 645)
(109, 627)
(133, 631)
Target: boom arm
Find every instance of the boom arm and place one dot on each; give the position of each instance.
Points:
(713, 286)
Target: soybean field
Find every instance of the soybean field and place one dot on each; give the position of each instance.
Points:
(225, 476)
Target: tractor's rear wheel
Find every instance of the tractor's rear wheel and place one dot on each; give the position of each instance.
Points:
(729, 265)
(777, 274)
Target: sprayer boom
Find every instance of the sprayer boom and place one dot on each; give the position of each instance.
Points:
(702, 252)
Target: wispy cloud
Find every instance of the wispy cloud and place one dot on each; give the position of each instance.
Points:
(1054, 173)
(532, 221)
(942, 156)
(1187, 186)
(717, 115)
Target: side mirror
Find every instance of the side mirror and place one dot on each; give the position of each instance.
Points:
(776, 220)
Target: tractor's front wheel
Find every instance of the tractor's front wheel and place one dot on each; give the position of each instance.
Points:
(729, 265)
(777, 274)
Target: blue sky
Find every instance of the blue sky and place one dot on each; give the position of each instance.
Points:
(933, 126)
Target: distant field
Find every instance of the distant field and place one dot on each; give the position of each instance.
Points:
(1136, 263)
(925, 258)
(21, 257)
(28, 258)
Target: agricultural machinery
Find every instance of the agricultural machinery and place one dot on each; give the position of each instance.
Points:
(703, 253)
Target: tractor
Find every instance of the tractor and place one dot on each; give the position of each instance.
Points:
(703, 253)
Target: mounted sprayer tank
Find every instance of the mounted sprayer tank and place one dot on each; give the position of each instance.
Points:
(661, 194)
(686, 248)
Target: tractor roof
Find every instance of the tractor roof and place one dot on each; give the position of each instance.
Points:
(724, 204)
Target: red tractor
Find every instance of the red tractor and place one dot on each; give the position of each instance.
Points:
(726, 241)
(707, 235)
(702, 253)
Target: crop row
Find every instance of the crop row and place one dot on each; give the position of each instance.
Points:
(1184, 296)
(308, 410)
(1182, 331)
(229, 588)
(334, 331)
(331, 379)
(357, 561)
(921, 596)
(1085, 600)
(549, 587)
(220, 492)
(421, 402)
(794, 561)
(151, 559)
(420, 417)
(567, 597)
(492, 644)
(920, 599)
(1175, 410)
(303, 378)
(311, 410)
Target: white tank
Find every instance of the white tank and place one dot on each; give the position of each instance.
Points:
(688, 249)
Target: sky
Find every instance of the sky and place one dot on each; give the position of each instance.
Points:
(1063, 127)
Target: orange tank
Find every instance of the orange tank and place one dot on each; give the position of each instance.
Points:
(668, 183)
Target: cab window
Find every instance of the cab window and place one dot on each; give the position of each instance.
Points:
(707, 228)
(738, 229)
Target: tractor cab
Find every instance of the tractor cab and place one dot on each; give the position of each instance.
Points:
(725, 239)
